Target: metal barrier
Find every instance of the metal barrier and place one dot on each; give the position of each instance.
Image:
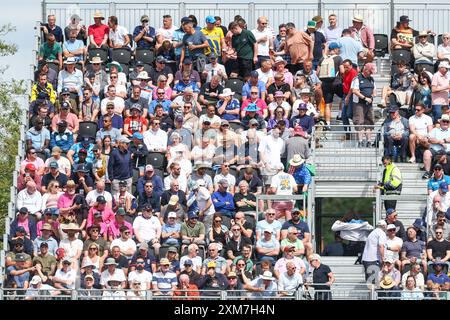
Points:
(380, 15)
(338, 155)
(401, 197)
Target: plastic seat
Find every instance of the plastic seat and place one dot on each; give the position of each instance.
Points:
(400, 54)
(121, 55)
(235, 126)
(88, 129)
(381, 44)
(54, 66)
(439, 40)
(235, 84)
(147, 56)
(157, 160)
(98, 52)
(125, 69)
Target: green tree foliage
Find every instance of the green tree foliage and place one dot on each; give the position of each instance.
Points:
(10, 115)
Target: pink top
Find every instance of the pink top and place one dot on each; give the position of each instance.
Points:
(441, 97)
(24, 224)
(260, 103)
(167, 94)
(72, 122)
(52, 201)
(55, 226)
(107, 216)
(114, 229)
(65, 201)
(38, 163)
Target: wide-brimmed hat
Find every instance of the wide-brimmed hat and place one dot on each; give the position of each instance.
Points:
(278, 94)
(296, 160)
(71, 227)
(423, 33)
(387, 282)
(444, 64)
(70, 60)
(36, 279)
(358, 18)
(115, 64)
(201, 165)
(227, 92)
(46, 226)
(143, 75)
(96, 60)
(252, 108)
(279, 60)
(110, 261)
(98, 14)
(267, 275)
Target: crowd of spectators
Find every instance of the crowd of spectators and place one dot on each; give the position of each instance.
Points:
(143, 175)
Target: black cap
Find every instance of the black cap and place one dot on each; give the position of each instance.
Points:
(65, 105)
(62, 123)
(18, 241)
(123, 183)
(437, 166)
(23, 210)
(139, 64)
(187, 61)
(101, 199)
(43, 244)
(21, 230)
(404, 19)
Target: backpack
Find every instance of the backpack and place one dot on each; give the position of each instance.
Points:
(311, 168)
(327, 68)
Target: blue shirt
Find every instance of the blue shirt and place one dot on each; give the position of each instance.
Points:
(78, 146)
(219, 200)
(306, 122)
(165, 104)
(64, 140)
(248, 86)
(350, 48)
(441, 278)
(19, 280)
(120, 165)
(180, 86)
(144, 43)
(117, 122)
(433, 183)
(158, 185)
(302, 175)
(171, 228)
(74, 46)
(302, 228)
(37, 137)
(178, 37)
(233, 105)
(165, 281)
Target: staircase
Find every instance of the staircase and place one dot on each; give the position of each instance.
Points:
(349, 278)
(415, 188)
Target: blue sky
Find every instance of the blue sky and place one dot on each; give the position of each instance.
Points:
(23, 15)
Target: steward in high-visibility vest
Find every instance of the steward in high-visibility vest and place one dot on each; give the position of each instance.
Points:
(391, 183)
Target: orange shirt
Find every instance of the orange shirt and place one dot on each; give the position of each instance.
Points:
(299, 47)
(188, 295)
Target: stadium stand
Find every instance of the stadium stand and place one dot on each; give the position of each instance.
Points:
(206, 180)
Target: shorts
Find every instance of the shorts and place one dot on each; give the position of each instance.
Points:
(329, 90)
(362, 115)
(245, 67)
(283, 205)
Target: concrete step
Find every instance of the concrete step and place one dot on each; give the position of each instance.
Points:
(344, 189)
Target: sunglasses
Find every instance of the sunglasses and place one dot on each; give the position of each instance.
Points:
(438, 232)
(217, 220)
(240, 264)
(254, 92)
(160, 92)
(115, 78)
(271, 214)
(156, 123)
(236, 229)
(93, 249)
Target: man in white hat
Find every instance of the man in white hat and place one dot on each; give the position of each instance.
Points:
(374, 251)
(228, 107)
(71, 78)
(439, 138)
(263, 286)
(364, 35)
(440, 89)
(423, 53)
(98, 32)
(323, 276)
(37, 288)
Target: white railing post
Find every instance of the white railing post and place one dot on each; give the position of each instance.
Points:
(112, 8)
(181, 10)
(251, 14)
(223, 295)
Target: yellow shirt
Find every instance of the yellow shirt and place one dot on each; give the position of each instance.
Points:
(214, 37)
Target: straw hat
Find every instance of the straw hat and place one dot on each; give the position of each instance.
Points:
(387, 282)
(296, 160)
(98, 14)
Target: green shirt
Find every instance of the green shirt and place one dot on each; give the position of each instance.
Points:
(50, 53)
(243, 44)
(47, 262)
(196, 231)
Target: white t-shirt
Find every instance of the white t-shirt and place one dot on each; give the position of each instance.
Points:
(202, 198)
(144, 278)
(444, 50)
(155, 140)
(166, 33)
(71, 247)
(63, 164)
(421, 123)
(214, 120)
(119, 105)
(92, 195)
(272, 148)
(147, 228)
(229, 177)
(284, 182)
(206, 154)
(213, 71)
(124, 245)
(376, 238)
(118, 36)
(106, 276)
(264, 76)
(391, 254)
(196, 262)
(263, 47)
(182, 181)
(69, 275)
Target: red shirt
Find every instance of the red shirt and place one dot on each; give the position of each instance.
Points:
(347, 80)
(98, 32)
(260, 103)
(135, 125)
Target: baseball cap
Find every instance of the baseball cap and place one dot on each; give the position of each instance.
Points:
(143, 246)
(172, 215)
(54, 165)
(101, 199)
(187, 60)
(185, 20)
(149, 167)
(65, 105)
(172, 249)
(334, 45)
(139, 64)
(210, 19)
(137, 135)
(161, 59)
(179, 118)
(254, 74)
(437, 166)
(164, 261)
(211, 264)
(30, 167)
(20, 257)
(443, 186)
(36, 279)
(65, 90)
(173, 200)
(23, 210)
(188, 262)
(121, 212)
(389, 211)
